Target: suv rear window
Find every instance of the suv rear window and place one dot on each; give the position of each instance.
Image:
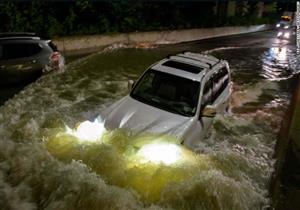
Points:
(183, 66)
(19, 50)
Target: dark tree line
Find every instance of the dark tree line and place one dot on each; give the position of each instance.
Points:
(77, 17)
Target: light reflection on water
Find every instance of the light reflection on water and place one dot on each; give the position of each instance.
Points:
(39, 170)
(209, 173)
(277, 64)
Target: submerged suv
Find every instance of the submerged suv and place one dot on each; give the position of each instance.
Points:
(26, 55)
(177, 96)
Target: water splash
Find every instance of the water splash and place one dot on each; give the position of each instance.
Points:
(42, 170)
(119, 162)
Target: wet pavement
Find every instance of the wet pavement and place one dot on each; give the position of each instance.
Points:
(42, 168)
(286, 185)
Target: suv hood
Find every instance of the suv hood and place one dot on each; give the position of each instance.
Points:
(133, 115)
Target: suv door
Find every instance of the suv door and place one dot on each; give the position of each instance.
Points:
(214, 92)
(207, 99)
(201, 124)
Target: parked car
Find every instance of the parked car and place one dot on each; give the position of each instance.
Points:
(24, 56)
(179, 95)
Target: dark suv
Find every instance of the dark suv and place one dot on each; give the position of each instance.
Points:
(25, 56)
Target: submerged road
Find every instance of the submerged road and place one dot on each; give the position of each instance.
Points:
(41, 168)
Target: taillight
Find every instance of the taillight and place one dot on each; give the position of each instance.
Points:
(55, 60)
(55, 56)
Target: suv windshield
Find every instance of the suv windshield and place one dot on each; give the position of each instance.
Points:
(168, 92)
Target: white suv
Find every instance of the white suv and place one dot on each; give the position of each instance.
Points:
(178, 96)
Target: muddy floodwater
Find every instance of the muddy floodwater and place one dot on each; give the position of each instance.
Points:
(43, 166)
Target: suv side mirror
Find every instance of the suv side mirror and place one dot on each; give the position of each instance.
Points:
(130, 84)
(209, 111)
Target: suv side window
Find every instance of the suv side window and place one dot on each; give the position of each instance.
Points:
(220, 82)
(19, 50)
(217, 84)
(207, 94)
(225, 78)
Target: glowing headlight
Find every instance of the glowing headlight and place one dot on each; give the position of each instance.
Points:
(161, 153)
(277, 25)
(279, 33)
(286, 27)
(88, 131)
(286, 35)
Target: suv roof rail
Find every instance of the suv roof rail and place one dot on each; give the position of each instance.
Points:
(199, 57)
(17, 34)
(195, 59)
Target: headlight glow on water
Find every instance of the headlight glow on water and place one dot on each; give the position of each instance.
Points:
(286, 35)
(161, 153)
(279, 33)
(88, 131)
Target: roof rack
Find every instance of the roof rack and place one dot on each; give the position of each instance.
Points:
(20, 38)
(194, 59)
(206, 56)
(197, 57)
(17, 34)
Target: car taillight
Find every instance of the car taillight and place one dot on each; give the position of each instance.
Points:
(54, 60)
(55, 56)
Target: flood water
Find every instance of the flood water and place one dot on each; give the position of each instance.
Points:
(43, 168)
